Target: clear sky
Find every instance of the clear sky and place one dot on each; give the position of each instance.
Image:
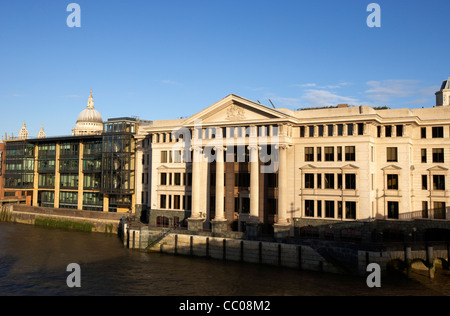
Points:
(172, 58)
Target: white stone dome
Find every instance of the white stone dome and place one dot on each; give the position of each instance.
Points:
(89, 122)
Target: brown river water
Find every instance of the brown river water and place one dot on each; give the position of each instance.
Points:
(33, 262)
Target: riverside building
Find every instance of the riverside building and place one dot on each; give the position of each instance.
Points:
(241, 166)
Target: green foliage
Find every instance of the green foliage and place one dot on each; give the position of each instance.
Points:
(64, 224)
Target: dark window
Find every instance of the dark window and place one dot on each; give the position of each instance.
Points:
(423, 132)
(360, 128)
(350, 153)
(399, 130)
(438, 132)
(320, 127)
(438, 182)
(350, 129)
(350, 210)
(329, 180)
(309, 153)
(393, 210)
(339, 153)
(319, 153)
(311, 131)
(163, 178)
(340, 129)
(319, 181)
(163, 201)
(309, 208)
(392, 181)
(329, 153)
(424, 182)
(350, 181)
(330, 130)
(391, 154)
(329, 209)
(319, 208)
(423, 153)
(378, 131)
(439, 210)
(309, 180)
(424, 209)
(388, 131)
(438, 154)
(302, 131)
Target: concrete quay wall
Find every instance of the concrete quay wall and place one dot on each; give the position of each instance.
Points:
(62, 218)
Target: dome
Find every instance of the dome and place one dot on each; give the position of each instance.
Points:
(90, 116)
(89, 122)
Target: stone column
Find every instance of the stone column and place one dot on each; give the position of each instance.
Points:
(219, 223)
(253, 224)
(282, 227)
(195, 222)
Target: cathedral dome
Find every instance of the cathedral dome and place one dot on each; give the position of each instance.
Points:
(89, 122)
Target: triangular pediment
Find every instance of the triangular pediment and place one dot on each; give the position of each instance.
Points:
(437, 168)
(391, 167)
(235, 110)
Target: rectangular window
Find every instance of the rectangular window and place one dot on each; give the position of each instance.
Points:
(163, 178)
(163, 156)
(350, 153)
(424, 209)
(176, 202)
(311, 131)
(330, 130)
(309, 180)
(392, 210)
(423, 132)
(392, 181)
(378, 131)
(319, 208)
(350, 181)
(424, 182)
(438, 182)
(329, 153)
(319, 181)
(350, 210)
(309, 208)
(391, 154)
(177, 178)
(360, 128)
(438, 132)
(309, 153)
(163, 200)
(320, 130)
(319, 153)
(399, 130)
(350, 129)
(329, 209)
(388, 131)
(423, 154)
(339, 153)
(438, 155)
(329, 180)
(340, 129)
(302, 131)
(339, 181)
(439, 210)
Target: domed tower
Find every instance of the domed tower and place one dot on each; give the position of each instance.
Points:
(89, 121)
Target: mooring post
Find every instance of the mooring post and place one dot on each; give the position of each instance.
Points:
(430, 262)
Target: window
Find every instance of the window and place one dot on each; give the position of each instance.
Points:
(330, 130)
(350, 153)
(177, 178)
(438, 182)
(424, 209)
(329, 153)
(309, 153)
(350, 210)
(360, 128)
(423, 153)
(388, 131)
(329, 180)
(438, 132)
(438, 155)
(423, 132)
(319, 153)
(391, 154)
(319, 181)
(392, 181)
(309, 180)
(424, 182)
(163, 178)
(340, 129)
(319, 208)
(393, 210)
(164, 156)
(339, 153)
(309, 208)
(399, 130)
(302, 131)
(378, 131)
(329, 209)
(163, 200)
(350, 181)
(320, 129)
(439, 210)
(350, 129)
(176, 202)
(311, 131)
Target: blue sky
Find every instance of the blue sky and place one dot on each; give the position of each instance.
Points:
(172, 58)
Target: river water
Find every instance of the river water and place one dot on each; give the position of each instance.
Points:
(33, 261)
